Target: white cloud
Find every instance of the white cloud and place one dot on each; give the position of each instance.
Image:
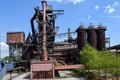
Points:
(109, 9)
(96, 7)
(4, 49)
(116, 4)
(89, 17)
(73, 1)
(68, 1)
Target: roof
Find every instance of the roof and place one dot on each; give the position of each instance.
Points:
(117, 47)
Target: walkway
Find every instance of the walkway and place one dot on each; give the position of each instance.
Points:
(26, 76)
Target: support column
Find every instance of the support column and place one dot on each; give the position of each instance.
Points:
(44, 55)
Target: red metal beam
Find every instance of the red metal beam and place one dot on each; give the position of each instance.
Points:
(67, 67)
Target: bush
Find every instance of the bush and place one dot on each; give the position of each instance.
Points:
(27, 70)
(93, 76)
(77, 72)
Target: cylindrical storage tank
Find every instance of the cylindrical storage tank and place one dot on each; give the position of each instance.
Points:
(81, 37)
(92, 36)
(101, 37)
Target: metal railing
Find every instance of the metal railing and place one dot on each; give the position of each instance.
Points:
(4, 70)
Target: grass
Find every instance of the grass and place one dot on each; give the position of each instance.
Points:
(77, 72)
(58, 64)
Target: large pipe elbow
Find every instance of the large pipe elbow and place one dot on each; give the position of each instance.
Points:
(32, 25)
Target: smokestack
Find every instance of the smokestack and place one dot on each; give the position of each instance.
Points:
(44, 55)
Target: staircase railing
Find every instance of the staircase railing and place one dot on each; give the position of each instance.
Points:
(4, 70)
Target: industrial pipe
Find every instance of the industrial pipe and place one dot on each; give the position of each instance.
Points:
(44, 55)
(32, 24)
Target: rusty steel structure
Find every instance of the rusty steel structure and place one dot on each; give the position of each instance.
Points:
(101, 37)
(15, 37)
(41, 42)
(94, 36)
(15, 40)
(81, 36)
(42, 52)
(41, 45)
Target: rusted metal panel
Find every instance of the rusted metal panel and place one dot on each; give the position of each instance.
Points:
(15, 37)
(42, 75)
(67, 67)
(49, 8)
(42, 69)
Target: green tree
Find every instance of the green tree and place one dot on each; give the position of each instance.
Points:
(6, 58)
(115, 67)
(96, 60)
(90, 57)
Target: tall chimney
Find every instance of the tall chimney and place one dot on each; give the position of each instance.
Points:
(44, 55)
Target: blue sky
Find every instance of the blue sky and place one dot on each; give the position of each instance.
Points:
(15, 15)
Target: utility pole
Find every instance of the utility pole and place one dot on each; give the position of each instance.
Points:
(44, 55)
